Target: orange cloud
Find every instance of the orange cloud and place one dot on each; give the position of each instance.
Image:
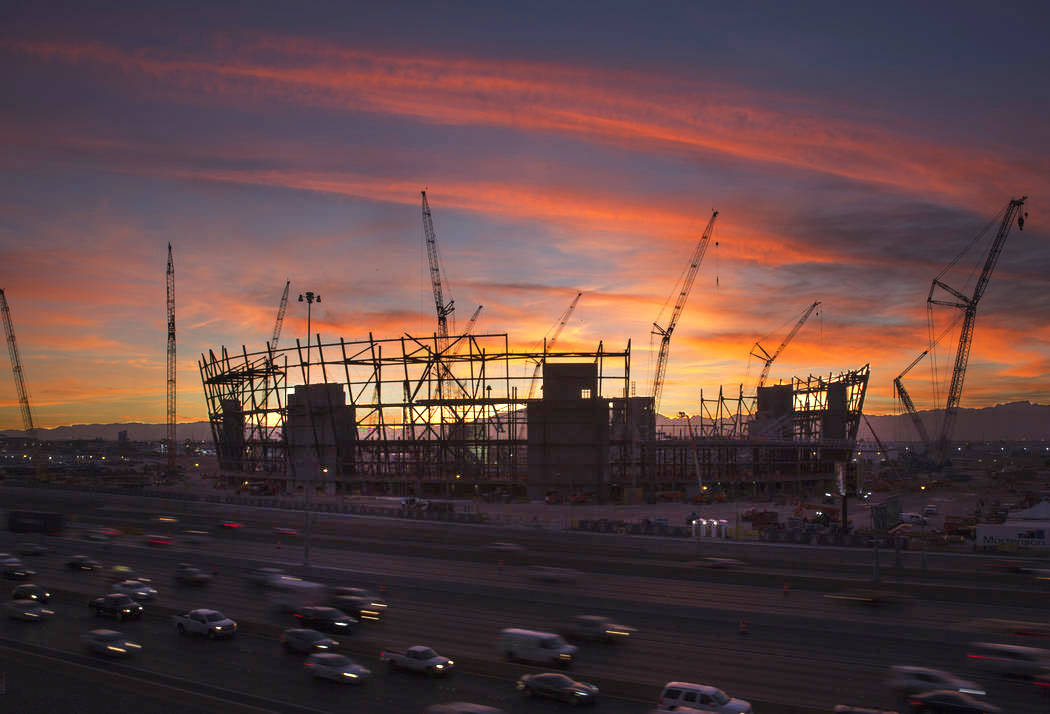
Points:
(624, 108)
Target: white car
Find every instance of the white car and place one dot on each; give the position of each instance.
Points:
(337, 667)
(110, 643)
(28, 610)
(684, 696)
(915, 680)
(136, 589)
(210, 623)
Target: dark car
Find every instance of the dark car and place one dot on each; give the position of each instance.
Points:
(557, 686)
(945, 701)
(359, 603)
(118, 605)
(300, 640)
(82, 562)
(30, 591)
(30, 549)
(189, 575)
(13, 569)
(326, 619)
(597, 628)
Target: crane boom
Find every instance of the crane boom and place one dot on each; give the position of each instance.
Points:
(969, 308)
(170, 432)
(464, 338)
(770, 358)
(562, 321)
(16, 369)
(683, 295)
(280, 316)
(443, 309)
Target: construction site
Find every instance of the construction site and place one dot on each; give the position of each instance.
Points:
(458, 414)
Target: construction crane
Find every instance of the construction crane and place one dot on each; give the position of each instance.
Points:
(968, 306)
(465, 337)
(280, 317)
(760, 352)
(549, 344)
(683, 289)
(878, 441)
(443, 309)
(171, 365)
(20, 386)
(901, 394)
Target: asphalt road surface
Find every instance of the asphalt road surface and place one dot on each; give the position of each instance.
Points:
(801, 649)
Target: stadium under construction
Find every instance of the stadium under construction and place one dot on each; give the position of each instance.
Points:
(453, 416)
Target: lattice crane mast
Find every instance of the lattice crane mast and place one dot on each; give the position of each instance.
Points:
(968, 305)
(759, 351)
(443, 309)
(16, 369)
(683, 289)
(901, 394)
(170, 432)
(549, 344)
(280, 317)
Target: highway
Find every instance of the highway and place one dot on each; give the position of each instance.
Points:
(800, 650)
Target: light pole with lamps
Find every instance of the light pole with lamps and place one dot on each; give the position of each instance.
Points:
(309, 298)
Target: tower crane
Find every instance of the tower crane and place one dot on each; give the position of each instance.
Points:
(170, 433)
(968, 305)
(558, 327)
(683, 289)
(280, 317)
(20, 386)
(901, 394)
(467, 331)
(443, 309)
(760, 352)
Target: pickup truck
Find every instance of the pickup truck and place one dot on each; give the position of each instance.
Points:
(418, 659)
(210, 623)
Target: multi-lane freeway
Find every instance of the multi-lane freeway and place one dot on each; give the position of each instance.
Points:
(801, 651)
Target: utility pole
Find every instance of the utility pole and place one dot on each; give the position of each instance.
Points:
(309, 298)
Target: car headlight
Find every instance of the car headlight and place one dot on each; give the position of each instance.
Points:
(580, 693)
(350, 674)
(125, 610)
(451, 662)
(218, 627)
(133, 645)
(439, 666)
(322, 647)
(978, 692)
(341, 624)
(564, 656)
(115, 649)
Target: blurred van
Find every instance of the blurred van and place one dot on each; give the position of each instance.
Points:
(533, 646)
(1010, 660)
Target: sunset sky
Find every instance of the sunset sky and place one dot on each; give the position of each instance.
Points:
(852, 151)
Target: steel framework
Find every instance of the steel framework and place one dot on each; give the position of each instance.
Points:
(404, 427)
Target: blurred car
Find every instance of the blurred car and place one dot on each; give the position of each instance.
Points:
(230, 526)
(82, 562)
(190, 575)
(359, 603)
(721, 563)
(158, 540)
(337, 667)
(31, 549)
(27, 610)
(504, 547)
(30, 591)
(557, 686)
(136, 589)
(110, 643)
(846, 709)
(462, 708)
(118, 605)
(905, 681)
(929, 510)
(300, 640)
(326, 619)
(196, 536)
(949, 702)
(96, 535)
(263, 576)
(871, 597)
(597, 628)
(548, 574)
(1009, 660)
(14, 569)
(703, 697)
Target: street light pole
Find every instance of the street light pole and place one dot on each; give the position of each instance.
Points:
(309, 298)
